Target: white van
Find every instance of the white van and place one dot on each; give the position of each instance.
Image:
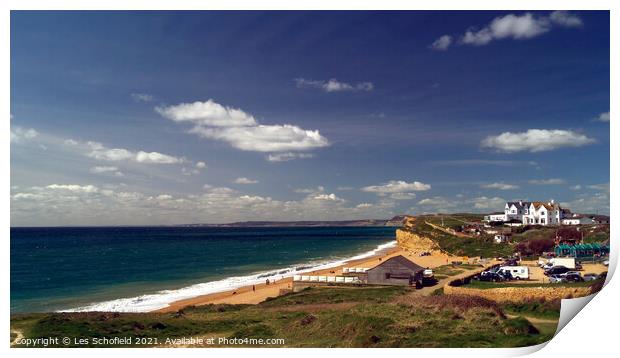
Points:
(517, 272)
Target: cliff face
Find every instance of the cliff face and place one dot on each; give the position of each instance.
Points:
(410, 241)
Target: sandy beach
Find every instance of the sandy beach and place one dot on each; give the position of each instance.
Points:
(246, 295)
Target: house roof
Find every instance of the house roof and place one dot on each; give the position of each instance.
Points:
(518, 204)
(403, 261)
(538, 204)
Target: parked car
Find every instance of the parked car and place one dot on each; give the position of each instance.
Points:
(572, 277)
(578, 266)
(606, 262)
(556, 270)
(547, 266)
(556, 279)
(492, 277)
(590, 277)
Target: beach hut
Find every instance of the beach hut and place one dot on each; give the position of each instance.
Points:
(397, 270)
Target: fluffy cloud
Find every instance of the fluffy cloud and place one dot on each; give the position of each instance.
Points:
(511, 26)
(575, 187)
(70, 204)
(318, 189)
(333, 85)
(484, 203)
(240, 130)
(74, 188)
(142, 97)
(536, 140)
(604, 117)
(207, 113)
(601, 187)
(266, 138)
(330, 197)
(500, 186)
(19, 134)
(105, 170)
(552, 181)
(244, 180)
(566, 19)
(396, 186)
(201, 165)
(442, 43)
(403, 196)
(285, 157)
(438, 202)
(99, 152)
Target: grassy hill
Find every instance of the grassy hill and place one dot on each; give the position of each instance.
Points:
(317, 317)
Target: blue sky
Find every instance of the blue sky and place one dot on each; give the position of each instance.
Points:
(180, 117)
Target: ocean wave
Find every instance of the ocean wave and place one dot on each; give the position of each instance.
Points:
(162, 299)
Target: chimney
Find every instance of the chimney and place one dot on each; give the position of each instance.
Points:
(520, 202)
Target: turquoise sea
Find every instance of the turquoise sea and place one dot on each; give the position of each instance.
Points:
(136, 269)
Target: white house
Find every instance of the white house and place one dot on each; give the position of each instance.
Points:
(577, 220)
(514, 210)
(501, 238)
(540, 213)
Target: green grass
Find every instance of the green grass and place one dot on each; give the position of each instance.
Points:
(461, 246)
(534, 308)
(316, 317)
(483, 285)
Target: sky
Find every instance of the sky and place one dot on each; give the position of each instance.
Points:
(158, 118)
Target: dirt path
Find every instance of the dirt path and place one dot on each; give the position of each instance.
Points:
(534, 320)
(447, 231)
(18, 336)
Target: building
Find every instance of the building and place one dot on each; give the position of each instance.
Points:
(540, 213)
(397, 271)
(501, 238)
(577, 220)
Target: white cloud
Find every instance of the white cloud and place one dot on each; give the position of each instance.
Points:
(601, 187)
(201, 165)
(285, 157)
(19, 134)
(512, 26)
(333, 85)
(244, 180)
(71, 142)
(552, 181)
(207, 113)
(266, 138)
(566, 19)
(536, 140)
(604, 117)
(500, 186)
(106, 169)
(442, 43)
(438, 202)
(403, 196)
(240, 130)
(318, 189)
(575, 187)
(396, 186)
(329, 197)
(74, 188)
(99, 152)
(142, 97)
(484, 203)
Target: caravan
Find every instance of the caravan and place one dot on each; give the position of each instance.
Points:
(517, 272)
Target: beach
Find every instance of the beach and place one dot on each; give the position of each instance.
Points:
(248, 295)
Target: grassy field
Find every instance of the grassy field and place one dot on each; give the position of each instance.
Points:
(488, 285)
(460, 246)
(317, 317)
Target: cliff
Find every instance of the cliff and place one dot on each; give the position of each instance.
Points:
(410, 241)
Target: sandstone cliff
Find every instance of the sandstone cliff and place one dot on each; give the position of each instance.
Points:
(410, 241)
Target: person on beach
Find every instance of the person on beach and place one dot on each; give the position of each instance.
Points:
(267, 282)
(253, 288)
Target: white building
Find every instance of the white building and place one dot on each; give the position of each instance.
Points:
(540, 213)
(501, 238)
(577, 220)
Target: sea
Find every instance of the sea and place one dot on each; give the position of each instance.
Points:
(139, 269)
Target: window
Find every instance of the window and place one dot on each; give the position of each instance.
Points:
(387, 276)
